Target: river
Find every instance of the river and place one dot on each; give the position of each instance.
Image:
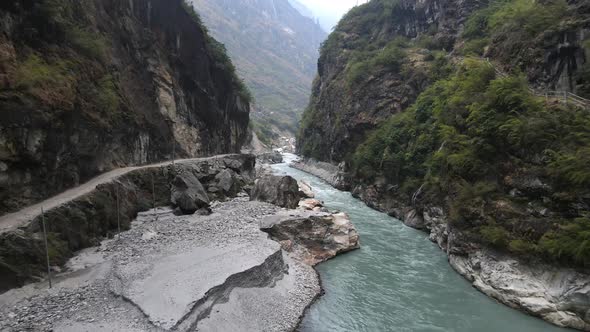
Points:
(398, 280)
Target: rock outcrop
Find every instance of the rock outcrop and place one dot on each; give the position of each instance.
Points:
(278, 190)
(305, 189)
(313, 237)
(270, 158)
(94, 86)
(558, 295)
(335, 175)
(85, 220)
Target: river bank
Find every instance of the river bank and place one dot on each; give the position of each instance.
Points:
(213, 258)
(168, 272)
(558, 295)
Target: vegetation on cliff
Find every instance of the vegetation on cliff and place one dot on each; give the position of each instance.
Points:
(468, 138)
(89, 85)
(427, 120)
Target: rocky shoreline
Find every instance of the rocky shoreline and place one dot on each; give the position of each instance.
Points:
(558, 295)
(230, 264)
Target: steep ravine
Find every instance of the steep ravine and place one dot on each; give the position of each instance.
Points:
(429, 132)
(398, 278)
(88, 86)
(557, 294)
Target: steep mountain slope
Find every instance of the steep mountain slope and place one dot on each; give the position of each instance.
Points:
(301, 8)
(275, 50)
(86, 86)
(429, 130)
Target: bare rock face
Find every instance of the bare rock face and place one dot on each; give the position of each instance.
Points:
(312, 237)
(149, 86)
(279, 190)
(558, 295)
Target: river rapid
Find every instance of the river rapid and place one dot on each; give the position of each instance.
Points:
(398, 280)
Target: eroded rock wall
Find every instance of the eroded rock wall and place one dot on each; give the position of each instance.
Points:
(87, 86)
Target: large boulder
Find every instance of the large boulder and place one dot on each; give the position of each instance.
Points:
(187, 193)
(305, 189)
(270, 158)
(226, 183)
(278, 190)
(313, 237)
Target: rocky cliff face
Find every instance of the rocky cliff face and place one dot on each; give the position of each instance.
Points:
(433, 133)
(275, 49)
(87, 86)
(344, 107)
(350, 97)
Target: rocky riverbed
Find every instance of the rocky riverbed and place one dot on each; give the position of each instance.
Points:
(211, 273)
(223, 265)
(558, 295)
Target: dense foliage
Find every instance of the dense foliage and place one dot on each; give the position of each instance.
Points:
(465, 136)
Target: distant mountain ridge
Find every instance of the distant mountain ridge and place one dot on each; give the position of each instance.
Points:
(302, 9)
(275, 49)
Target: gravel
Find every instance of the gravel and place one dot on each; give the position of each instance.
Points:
(86, 297)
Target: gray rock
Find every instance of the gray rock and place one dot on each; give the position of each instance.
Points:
(279, 190)
(270, 158)
(188, 194)
(558, 295)
(313, 237)
(226, 181)
(305, 189)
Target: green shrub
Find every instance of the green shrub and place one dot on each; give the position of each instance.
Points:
(522, 247)
(572, 167)
(475, 46)
(570, 242)
(496, 236)
(364, 64)
(88, 43)
(35, 72)
(529, 16)
(107, 98)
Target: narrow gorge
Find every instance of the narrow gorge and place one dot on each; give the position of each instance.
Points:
(468, 120)
(441, 180)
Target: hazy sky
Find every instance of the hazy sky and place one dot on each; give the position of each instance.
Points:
(329, 11)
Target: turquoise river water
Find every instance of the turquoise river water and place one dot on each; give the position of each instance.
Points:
(398, 281)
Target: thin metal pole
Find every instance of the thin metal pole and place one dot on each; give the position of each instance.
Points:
(118, 213)
(154, 198)
(173, 152)
(46, 246)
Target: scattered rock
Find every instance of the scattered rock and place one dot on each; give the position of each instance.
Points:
(305, 189)
(278, 190)
(313, 237)
(270, 158)
(188, 193)
(311, 204)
